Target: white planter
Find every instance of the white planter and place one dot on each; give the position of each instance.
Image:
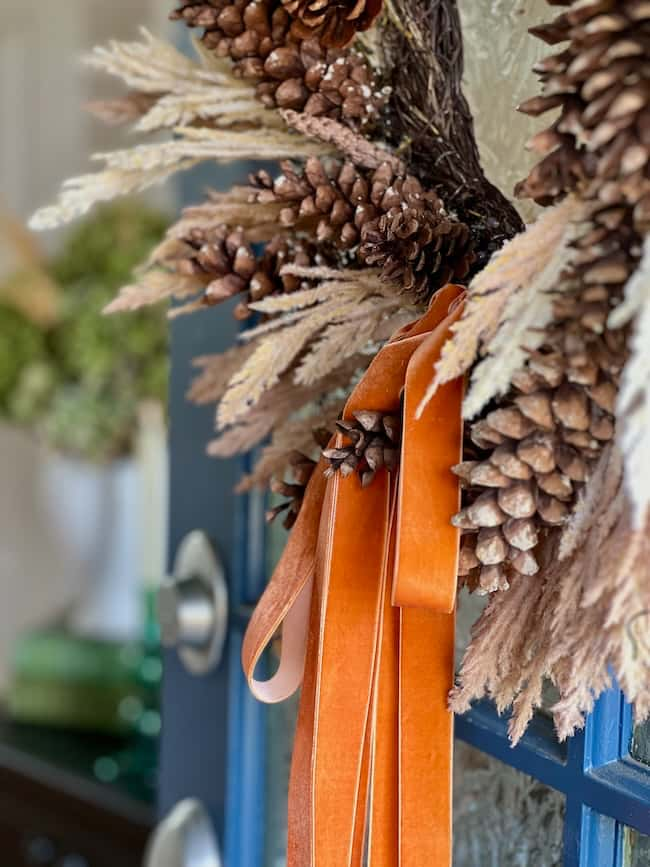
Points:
(94, 513)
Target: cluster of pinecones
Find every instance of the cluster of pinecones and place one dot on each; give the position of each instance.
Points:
(395, 224)
(329, 210)
(538, 448)
(388, 219)
(373, 440)
(286, 56)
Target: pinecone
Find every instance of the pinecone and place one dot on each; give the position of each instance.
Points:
(391, 219)
(301, 74)
(374, 443)
(601, 83)
(334, 23)
(301, 468)
(537, 449)
(415, 242)
(226, 259)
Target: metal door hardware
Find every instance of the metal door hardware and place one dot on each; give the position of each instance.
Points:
(193, 605)
(185, 838)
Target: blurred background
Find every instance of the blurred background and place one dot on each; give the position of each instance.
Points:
(83, 460)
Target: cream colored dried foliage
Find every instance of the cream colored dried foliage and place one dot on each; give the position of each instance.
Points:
(302, 322)
(633, 403)
(151, 287)
(507, 302)
(276, 411)
(154, 65)
(191, 93)
(135, 169)
(187, 89)
(295, 433)
(215, 373)
(78, 195)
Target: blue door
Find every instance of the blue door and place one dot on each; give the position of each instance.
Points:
(588, 800)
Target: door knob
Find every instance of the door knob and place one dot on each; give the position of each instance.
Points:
(193, 605)
(185, 838)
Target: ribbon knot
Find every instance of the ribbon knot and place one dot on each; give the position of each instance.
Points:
(365, 592)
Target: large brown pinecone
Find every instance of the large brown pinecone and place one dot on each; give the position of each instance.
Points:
(290, 72)
(392, 221)
(373, 443)
(537, 449)
(334, 22)
(227, 261)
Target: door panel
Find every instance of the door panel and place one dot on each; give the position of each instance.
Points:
(195, 709)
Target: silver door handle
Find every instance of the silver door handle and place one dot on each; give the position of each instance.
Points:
(193, 605)
(185, 838)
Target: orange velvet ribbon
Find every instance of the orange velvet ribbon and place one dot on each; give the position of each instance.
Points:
(365, 591)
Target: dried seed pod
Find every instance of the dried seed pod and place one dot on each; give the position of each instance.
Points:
(486, 511)
(518, 500)
(301, 467)
(491, 579)
(538, 451)
(224, 260)
(521, 533)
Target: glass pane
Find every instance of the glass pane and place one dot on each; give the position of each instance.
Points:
(640, 746)
(499, 56)
(470, 607)
(636, 848)
(502, 817)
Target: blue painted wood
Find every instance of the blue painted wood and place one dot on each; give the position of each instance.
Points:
(245, 781)
(538, 754)
(600, 839)
(209, 727)
(194, 745)
(622, 790)
(245, 792)
(604, 788)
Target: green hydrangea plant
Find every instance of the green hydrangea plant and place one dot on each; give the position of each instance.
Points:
(79, 381)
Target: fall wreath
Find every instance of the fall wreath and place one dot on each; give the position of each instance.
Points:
(342, 256)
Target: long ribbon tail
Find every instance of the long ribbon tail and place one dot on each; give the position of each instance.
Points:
(383, 839)
(425, 589)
